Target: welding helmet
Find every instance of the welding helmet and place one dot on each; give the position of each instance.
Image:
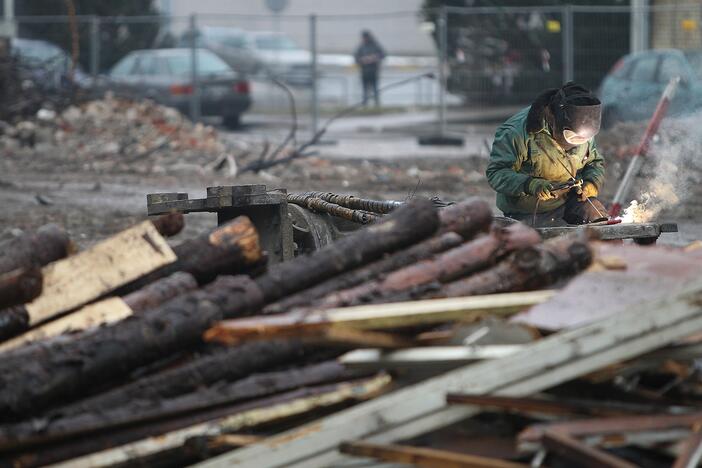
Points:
(577, 114)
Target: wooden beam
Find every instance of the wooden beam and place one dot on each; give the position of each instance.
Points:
(81, 278)
(427, 356)
(351, 337)
(420, 456)
(583, 455)
(378, 316)
(421, 408)
(340, 393)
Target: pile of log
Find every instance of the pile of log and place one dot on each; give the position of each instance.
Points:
(135, 352)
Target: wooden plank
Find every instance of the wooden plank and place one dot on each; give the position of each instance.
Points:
(577, 452)
(608, 232)
(81, 278)
(343, 392)
(429, 356)
(105, 312)
(351, 337)
(421, 456)
(378, 316)
(691, 452)
(422, 407)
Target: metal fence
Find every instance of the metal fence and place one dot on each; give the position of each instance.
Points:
(481, 56)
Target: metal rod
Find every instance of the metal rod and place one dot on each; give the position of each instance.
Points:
(313, 71)
(195, 96)
(95, 46)
(568, 58)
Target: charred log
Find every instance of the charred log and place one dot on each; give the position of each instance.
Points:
(48, 244)
(67, 368)
(445, 267)
(465, 219)
(530, 268)
(409, 224)
(20, 286)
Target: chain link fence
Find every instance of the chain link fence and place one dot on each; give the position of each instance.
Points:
(483, 56)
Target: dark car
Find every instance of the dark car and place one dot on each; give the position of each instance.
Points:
(631, 90)
(47, 65)
(164, 75)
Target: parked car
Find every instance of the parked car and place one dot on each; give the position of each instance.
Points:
(632, 88)
(46, 65)
(164, 75)
(261, 52)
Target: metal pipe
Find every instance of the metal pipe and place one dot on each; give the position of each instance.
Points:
(443, 44)
(568, 49)
(95, 46)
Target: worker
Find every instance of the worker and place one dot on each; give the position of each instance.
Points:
(544, 164)
(368, 57)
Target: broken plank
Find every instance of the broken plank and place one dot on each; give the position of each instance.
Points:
(421, 456)
(421, 408)
(351, 337)
(379, 316)
(583, 455)
(333, 395)
(430, 356)
(108, 310)
(83, 277)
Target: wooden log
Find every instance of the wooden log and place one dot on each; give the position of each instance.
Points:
(79, 279)
(226, 365)
(107, 311)
(13, 321)
(246, 416)
(170, 224)
(530, 268)
(376, 316)
(407, 225)
(445, 267)
(228, 249)
(66, 369)
(22, 435)
(460, 221)
(20, 286)
(48, 244)
(691, 450)
(422, 456)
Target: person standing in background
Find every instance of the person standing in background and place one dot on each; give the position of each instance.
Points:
(369, 55)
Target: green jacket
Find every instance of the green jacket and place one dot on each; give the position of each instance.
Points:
(517, 156)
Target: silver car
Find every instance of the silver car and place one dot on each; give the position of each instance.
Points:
(164, 75)
(256, 53)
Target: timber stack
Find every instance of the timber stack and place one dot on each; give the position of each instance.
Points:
(135, 352)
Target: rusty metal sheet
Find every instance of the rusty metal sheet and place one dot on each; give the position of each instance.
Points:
(641, 274)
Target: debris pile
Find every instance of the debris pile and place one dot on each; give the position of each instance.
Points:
(119, 135)
(136, 353)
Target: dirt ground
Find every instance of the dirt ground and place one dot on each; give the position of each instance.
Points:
(95, 200)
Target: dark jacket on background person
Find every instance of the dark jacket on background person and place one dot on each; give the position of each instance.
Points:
(368, 56)
(518, 155)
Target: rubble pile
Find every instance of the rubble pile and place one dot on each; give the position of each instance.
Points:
(117, 134)
(136, 353)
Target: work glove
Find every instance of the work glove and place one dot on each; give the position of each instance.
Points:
(588, 191)
(540, 188)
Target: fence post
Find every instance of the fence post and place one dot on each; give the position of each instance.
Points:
(638, 35)
(443, 55)
(9, 27)
(195, 96)
(568, 52)
(95, 46)
(313, 72)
